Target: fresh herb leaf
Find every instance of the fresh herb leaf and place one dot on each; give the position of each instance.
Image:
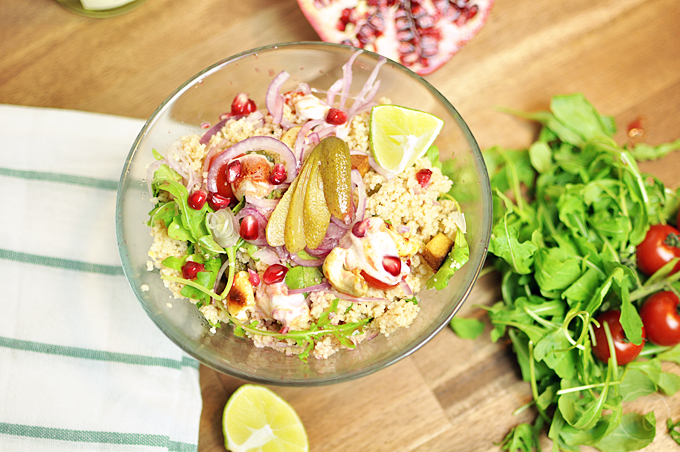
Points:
(300, 277)
(673, 429)
(467, 328)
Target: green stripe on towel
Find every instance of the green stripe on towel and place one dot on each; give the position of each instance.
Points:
(97, 355)
(82, 181)
(84, 436)
(57, 262)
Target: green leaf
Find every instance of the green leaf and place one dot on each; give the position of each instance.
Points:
(523, 437)
(672, 430)
(457, 257)
(636, 431)
(433, 156)
(467, 328)
(672, 355)
(642, 151)
(300, 277)
(174, 263)
(505, 244)
(556, 269)
(636, 384)
(579, 116)
(541, 156)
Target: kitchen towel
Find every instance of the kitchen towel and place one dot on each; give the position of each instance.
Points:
(82, 367)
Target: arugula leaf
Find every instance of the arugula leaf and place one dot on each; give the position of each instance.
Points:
(672, 429)
(300, 277)
(466, 328)
(569, 212)
(457, 257)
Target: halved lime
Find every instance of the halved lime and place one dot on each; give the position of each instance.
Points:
(256, 419)
(400, 135)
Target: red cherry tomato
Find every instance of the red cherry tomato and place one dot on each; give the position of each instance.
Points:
(661, 319)
(376, 283)
(625, 351)
(658, 248)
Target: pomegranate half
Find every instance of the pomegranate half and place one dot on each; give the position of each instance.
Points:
(420, 34)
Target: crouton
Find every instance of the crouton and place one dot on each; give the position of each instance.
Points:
(436, 251)
(360, 162)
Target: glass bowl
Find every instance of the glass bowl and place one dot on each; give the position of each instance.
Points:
(210, 93)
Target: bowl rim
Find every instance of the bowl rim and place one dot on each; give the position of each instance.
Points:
(482, 241)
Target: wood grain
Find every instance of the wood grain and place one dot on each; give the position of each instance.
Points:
(452, 395)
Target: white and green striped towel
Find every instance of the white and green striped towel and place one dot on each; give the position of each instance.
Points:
(82, 367)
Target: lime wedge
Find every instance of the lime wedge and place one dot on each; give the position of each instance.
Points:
(257, 420)
(400, 135)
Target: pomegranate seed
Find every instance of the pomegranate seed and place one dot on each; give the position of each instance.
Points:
(274, 274)
(233, 171)
(205, 125)
(359, 229)
(190, 269)
(218, 202)
(336, 117)
(423, 177)
(253, 277)
(249, 229)
(197, 199)
(278, 174)
(392, 264)
(242, 105)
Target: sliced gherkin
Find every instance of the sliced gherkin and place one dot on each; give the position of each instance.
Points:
(336, 168)
(277, 221)
(317, 217)
(294, 233)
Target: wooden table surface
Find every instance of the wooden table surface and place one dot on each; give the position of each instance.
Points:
(452, 395)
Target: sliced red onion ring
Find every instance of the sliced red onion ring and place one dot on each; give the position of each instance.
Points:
(262, 203)
(355, 177)
(302, 134)
(274, 99)
(205, 139)
(360, 100)
(344, 296)
(379, 169)
(251, 144)
(306, 262)
(403, 229)
(405, 288)
(304, 88)
(316, 288)
(333, 91)
(347, 78)
(151, 172)
(266, 255)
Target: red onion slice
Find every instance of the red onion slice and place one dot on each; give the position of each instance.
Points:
(302, 134)
(379, 169)
(356, 179)
(151, 172)
(333, 91)
(251, 144)
(368, 87)
(306, 262)
(344, 296)
(274, 99)
(262, 203)
(405, 288)
(316, 288)
(205, 139)
(267, 256)
(347, 78)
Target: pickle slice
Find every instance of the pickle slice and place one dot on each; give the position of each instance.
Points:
(317, 217)
(277, 221)
(294, 232)
(336, 168)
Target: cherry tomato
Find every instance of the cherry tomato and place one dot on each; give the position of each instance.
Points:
(658, 248)
(661, 319)
(625, 351)
(376, 283)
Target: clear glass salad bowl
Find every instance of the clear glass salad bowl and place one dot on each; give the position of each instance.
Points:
(202, 99)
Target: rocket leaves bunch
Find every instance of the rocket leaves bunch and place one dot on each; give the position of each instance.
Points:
(569, 212)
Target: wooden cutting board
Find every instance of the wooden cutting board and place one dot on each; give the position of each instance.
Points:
(453, 394)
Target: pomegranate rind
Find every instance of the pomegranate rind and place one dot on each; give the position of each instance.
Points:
(450, 32)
